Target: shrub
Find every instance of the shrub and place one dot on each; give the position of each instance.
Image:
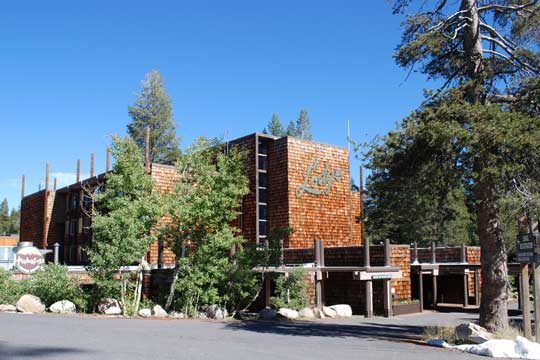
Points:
(52, 284)
(10, 289)
(291, 290)
(446, 333)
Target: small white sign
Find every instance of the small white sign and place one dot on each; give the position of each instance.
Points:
(28, 260)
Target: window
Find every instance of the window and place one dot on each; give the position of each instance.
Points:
(86, 225)
(263, 180)
(73, 227)
(263, 196)
(87, 202)
(263, 163)
(263, 228)
(263, 212)
(74, 202)
(263, 147)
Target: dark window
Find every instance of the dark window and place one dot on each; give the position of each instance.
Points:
(263, 212)
(263, 163)
(87, 202)
(73, 227)
(263, 180)
(263, 196)
(263, 147)
(263, 227)
(74, 203)
(86, 225)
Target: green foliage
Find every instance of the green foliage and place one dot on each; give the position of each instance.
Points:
(303, 126)
(291, 290)
(128, 212)
(204, 202)
(275, 127)
(291, 129)
(153, 109)
(10, 289)
(52, 284)
(4, 218)
(14, 221)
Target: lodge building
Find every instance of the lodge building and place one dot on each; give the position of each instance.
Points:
(294, 183)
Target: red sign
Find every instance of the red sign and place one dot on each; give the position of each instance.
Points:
(28, 260)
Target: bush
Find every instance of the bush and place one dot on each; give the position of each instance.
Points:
(52, 284)
(445, 333)
(291, 290)
(10, 289)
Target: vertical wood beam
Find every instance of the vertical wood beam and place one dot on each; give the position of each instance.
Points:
(92, 165)
(147, 151)
(54, 184)
(23, 183)
(526, 302)
(477, 288)
(108, 160)
(433, 253)
(45, 208)
(421, 289)
(267, 292)
(466, 289)
(369, 298)
(434, 292)
(78, 170)
(361, 187)
(387, 284)
(536, 279)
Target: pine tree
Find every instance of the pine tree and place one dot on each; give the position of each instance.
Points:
(303, 126)
(291, 130)
(153, 109)
(275, 127)
(14, 221)
(4, 217)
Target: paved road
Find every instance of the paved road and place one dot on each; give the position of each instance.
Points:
(63, 337)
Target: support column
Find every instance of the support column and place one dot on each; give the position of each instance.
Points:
(421, 289)
(387, 285)
(434, 292)
(369, 283)
(466, 289)
(536, 279)
(319, 260)
(526, 301)
(477, 288)
(267, 292)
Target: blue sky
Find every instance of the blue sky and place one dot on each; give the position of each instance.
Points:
(70, 69)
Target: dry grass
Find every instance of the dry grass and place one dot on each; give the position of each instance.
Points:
(508, 332)
(446, 333)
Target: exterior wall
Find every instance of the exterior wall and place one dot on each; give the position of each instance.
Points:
(32, 218)
(9, 240)
(278, 168)
(327, 217)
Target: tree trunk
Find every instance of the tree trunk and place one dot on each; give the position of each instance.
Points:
(494, 300)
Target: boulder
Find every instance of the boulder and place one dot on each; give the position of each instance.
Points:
(109, 306)
(176, 315)
(472, 333)
(145, 313)
(246, 315)
(288, 313)
(307, 313)
(342, 310)
(7, 308)
(158, 311)
(319, 314)
(202, 315)
(331, 313)
(267, 314)
(63, 307)
(216, 313)
(30, 304)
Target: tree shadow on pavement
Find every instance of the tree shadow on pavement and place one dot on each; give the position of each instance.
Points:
(308, 328)
(8, 351)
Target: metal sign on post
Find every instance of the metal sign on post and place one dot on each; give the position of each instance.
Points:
(528, 252)
(28, 258)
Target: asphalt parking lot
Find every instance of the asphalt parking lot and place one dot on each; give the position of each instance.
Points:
(74, 337)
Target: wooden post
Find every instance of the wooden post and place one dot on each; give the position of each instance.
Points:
(54, 186)
(434, 292)
(526, 302)
(421, 289)
(147, 151)
(267, 292)
(463, 253)
(108, 160)
(415, 253)
(319, 259)
(387, 284)
(23, 180)
(466, 289)
(45, 208)
(78, 170)
(92, 165)
(361, 189)
(536, 279)
(369, 283)
(477, 288)
(433, 253)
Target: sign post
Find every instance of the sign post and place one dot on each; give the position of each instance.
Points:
(527, 249)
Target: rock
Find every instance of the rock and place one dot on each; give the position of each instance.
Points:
(158, 311)
(63, 307)
(472, 333)
(176, 315)
(331, 313)
(246, 315)
(288, 313)
(31, 304)
(267, 314)
(319, 314)
(216, 313)
(7, 308)
(109, 306)
(145, 313)
(202, 315)
(307, 313)
(342, 310)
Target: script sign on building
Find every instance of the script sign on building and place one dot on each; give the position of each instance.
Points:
(28, 259)
(318, 181)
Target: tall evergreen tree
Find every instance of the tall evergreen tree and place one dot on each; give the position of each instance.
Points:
(14, 221)
(4, 217)
(303, 126)
(275, 127)
(479, 47)
(153, 109)
(291, 129)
